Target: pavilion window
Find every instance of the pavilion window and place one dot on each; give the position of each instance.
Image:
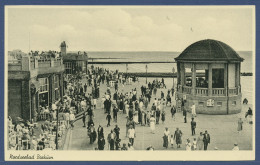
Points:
(219, 104)
(202, 81)
(201, 104)
(188, 80)
(217, 78)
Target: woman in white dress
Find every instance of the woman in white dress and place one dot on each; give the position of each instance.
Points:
(136, 117)
(152, 123)
(188, 145)
(127, 108)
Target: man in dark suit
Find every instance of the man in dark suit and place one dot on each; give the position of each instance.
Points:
(185, 115)
(108, 119)
(100, 132)
(101, 143)
(193, 126)
(84, 119)
(206, 140)
(111, 140)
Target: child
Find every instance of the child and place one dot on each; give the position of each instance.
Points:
(172, 140)
(194, 144)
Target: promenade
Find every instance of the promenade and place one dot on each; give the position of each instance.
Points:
(222, 128)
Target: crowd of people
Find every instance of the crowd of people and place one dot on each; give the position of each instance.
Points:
(142, 107)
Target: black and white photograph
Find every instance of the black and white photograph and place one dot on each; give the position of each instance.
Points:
(106, 80)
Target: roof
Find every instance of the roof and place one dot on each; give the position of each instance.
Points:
(209, 50)
(75, 57)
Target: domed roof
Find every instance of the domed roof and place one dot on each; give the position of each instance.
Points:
(209, 50)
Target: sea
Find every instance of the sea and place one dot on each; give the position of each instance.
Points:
(247, 82)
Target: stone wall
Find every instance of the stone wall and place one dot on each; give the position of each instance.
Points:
(220, 104)
(26, 99)
(14, 98)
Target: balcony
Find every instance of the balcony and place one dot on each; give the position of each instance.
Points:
(33, 66)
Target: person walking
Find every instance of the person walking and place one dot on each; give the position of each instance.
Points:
(193, 110)
(166, 138)
(200, 141)
(177, 137)
(72, 118)
(194, 144)
(172, 141)
(111, 140)
(206, 140)
(193, 126)
(152, 123)
(172, 90)
(163, 116)
(117, 131)
(185, 115)
(173, 112)
(108, 118)
(249, 114)
(235, 148)
(85, 88)
(124, 148)
(239, 125)
(158, 114)
(131, 135)
(84, 119)
(100, 131)
(115, 110)
(188, 145)
(67, 118)
(101, 143)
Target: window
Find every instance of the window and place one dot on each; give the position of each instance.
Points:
(44, 85)
(202, 78)
(219, 104)
(68, 67)
(56, 82)
(234, 102)
(201, 104)
(217, 78)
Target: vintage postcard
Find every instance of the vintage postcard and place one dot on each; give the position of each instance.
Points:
(116, 82)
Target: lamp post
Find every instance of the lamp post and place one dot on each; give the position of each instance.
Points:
(173, 70)
(146, 67)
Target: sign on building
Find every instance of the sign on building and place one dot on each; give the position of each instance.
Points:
(210, 103)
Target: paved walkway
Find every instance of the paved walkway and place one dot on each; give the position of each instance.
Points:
(222, 129)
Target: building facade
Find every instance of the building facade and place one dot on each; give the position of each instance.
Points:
(74, 61)
(33, 83)
(214, 84)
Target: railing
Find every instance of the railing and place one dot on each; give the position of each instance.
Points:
(14, 61)
(45, 64)
(187, 89)
(204, 91)
(218, 92)
(201, 91)
(232, 91)
(34, 63)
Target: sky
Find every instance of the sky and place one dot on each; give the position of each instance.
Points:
(140, 28)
